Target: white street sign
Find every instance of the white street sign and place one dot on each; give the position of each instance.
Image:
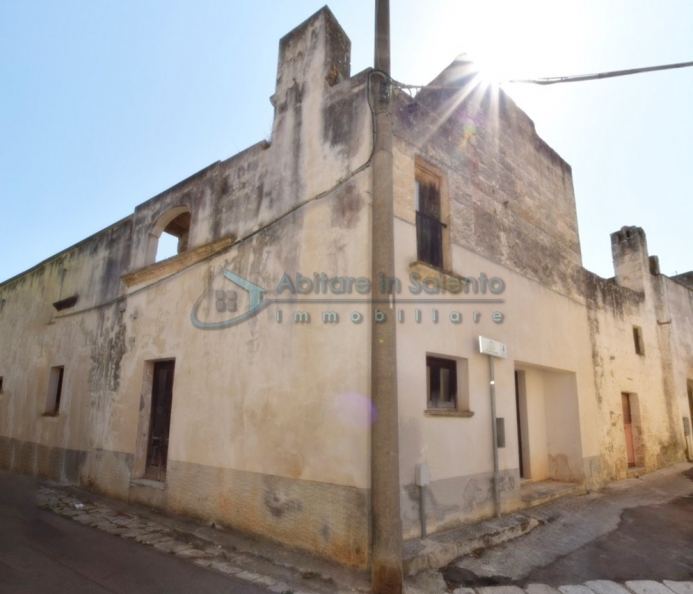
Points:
(491, 347)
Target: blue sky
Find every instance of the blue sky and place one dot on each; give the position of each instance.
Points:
(105, 104)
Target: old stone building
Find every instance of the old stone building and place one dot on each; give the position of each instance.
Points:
(231, 382)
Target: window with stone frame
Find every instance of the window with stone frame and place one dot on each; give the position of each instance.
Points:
(429, 217)
(441, 380)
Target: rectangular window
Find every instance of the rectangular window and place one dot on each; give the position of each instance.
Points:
(55, 390)
(442, 382)
(637, 340)
(0, 384)
(429, 225)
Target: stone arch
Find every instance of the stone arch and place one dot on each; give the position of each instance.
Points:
(176, 222)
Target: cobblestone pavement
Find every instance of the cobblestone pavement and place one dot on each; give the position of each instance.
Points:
(225, 560)
(432, 582)
(167, 540)
(591, 587)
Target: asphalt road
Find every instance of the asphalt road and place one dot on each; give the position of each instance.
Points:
(43, 552)
(633, 530)
(653, 542)
(639, 529)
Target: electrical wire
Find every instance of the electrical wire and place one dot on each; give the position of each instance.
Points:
(552, 80)
(582, 77)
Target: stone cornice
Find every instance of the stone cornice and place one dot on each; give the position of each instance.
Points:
(175, 263)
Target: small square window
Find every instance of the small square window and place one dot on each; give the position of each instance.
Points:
(441, 378)
(637, 340)
(55, 389)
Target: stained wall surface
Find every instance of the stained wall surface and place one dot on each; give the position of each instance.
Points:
(282, 454)
(266, 314)
(508, 212)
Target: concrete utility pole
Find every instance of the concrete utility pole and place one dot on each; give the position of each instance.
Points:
(386, 560)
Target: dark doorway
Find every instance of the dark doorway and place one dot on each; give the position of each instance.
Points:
(160, 421)
(628, 428)
(520, 412)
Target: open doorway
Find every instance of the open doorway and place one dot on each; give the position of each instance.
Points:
(522, 429)
(632, 429)
(548, 426)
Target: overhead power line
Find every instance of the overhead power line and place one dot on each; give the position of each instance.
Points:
(581, 77)
(555, 79)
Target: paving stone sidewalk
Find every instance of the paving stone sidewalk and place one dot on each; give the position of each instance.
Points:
(183, 545)
(591, 587)
(431, 582)
(226, 561)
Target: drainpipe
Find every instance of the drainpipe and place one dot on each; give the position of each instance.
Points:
(386, 523)
(423, 479)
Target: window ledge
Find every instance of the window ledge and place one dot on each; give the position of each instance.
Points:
(446, 277)
(425, 267)
(50, 414)
(448, 412)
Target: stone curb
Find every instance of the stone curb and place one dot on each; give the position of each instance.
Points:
(127, 525)
(590, 587)
(440, 549)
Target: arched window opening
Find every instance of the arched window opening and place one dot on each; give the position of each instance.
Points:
(174, 238)
(167, 248)
(169, 236)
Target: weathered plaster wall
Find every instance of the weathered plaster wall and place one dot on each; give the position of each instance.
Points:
(234, 416)
(508, 204)
(321, 134)
(273, 420)
(511, 214)
(37, 337)
(285, 455)
(543, 331)
(270, 427)
(680, 332)
(88, 339)
(656, 379)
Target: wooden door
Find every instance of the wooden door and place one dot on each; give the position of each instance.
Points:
(628, 428)
(160, 421)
